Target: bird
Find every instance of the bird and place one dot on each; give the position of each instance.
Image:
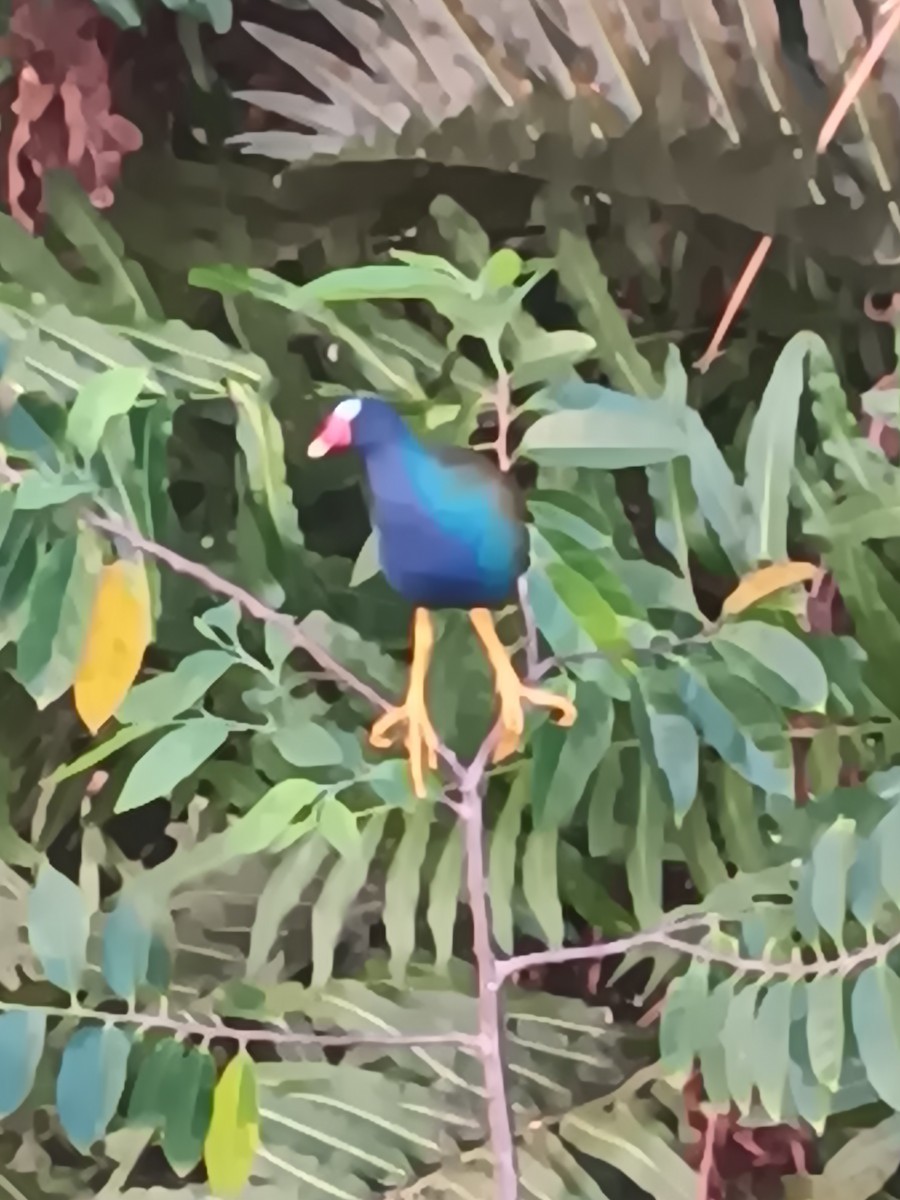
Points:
(451, 534)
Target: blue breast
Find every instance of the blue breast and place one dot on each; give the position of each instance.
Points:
(444, 542)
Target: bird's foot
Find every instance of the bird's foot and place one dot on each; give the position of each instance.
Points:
(514, 694)
(421, 741)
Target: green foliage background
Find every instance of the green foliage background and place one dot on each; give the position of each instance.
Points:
(243, 862)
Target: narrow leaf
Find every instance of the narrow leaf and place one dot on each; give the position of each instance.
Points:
(540, 885)
(685, 1001)
(118, 634)
(831, 858)
(765, 582)
(741, 1047)
(21, 1046)
(90, 1082)
(106, 395)
(172, 759)
(127, 938)
(402, 888)
(502, 861)
(771, 448)
(443, 898)
(339, 891)
(186, 1108)
(161, 699)
(771, 1047)
(58, 927)
(233, 1136)
(825, 1028)
(875, 1007)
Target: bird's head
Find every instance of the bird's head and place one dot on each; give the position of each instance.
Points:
(360, 423)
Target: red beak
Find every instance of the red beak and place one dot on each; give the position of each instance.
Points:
(335, 434)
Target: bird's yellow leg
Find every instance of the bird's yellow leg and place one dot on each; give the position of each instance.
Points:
(513, 693)
(421, 740)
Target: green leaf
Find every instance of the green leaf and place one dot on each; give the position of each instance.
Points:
(58, 927)
(396, 281)
(50, 645)
(886, 848)
(565, 759)
(770, 1044)
(636, 1147)
(337, 825)
(502, 860)
(282, 890)
(171, 760)
(741, 1045)
(721, 500)
(601, 821)
(146, 1104)
(109, 394)
(303, 741)
(604, 429)
(771, 446)
(127, 938)
(340, 889)
(739, 821)
(784, 658)
(218, 13)
(502, 269)
(402, 888)
(21, 1046)
(595, 615)
(540, 885)
(831, 858)
(720, 729)
(443, 898)
(90, 1082)
(864, 889)
(825, 1027)
(233, 1136)
(36, 492)
(644, 863)
(159, 700)
(685, 1002)
(864, 1165)
(874, 1006)
(669, 741)
(260, 438)
(186, 1102)
(695, 837)
(550, 355)
(270, 823)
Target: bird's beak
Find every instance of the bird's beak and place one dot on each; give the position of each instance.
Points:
(335, 434)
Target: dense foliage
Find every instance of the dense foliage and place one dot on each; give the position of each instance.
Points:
(238, 953)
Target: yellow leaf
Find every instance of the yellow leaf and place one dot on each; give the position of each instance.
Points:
(118, 634)
(764, 582)
(233, 1134)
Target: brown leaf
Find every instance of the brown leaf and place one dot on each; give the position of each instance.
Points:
(765, 582)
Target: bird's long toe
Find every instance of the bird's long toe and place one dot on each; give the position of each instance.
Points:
(421, 740)
(514, 694)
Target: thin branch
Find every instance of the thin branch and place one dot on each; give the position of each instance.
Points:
(489, 983)
(665, 936)
(269, 1037)
(735, 300)
(504, 410)
(706, 1166)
